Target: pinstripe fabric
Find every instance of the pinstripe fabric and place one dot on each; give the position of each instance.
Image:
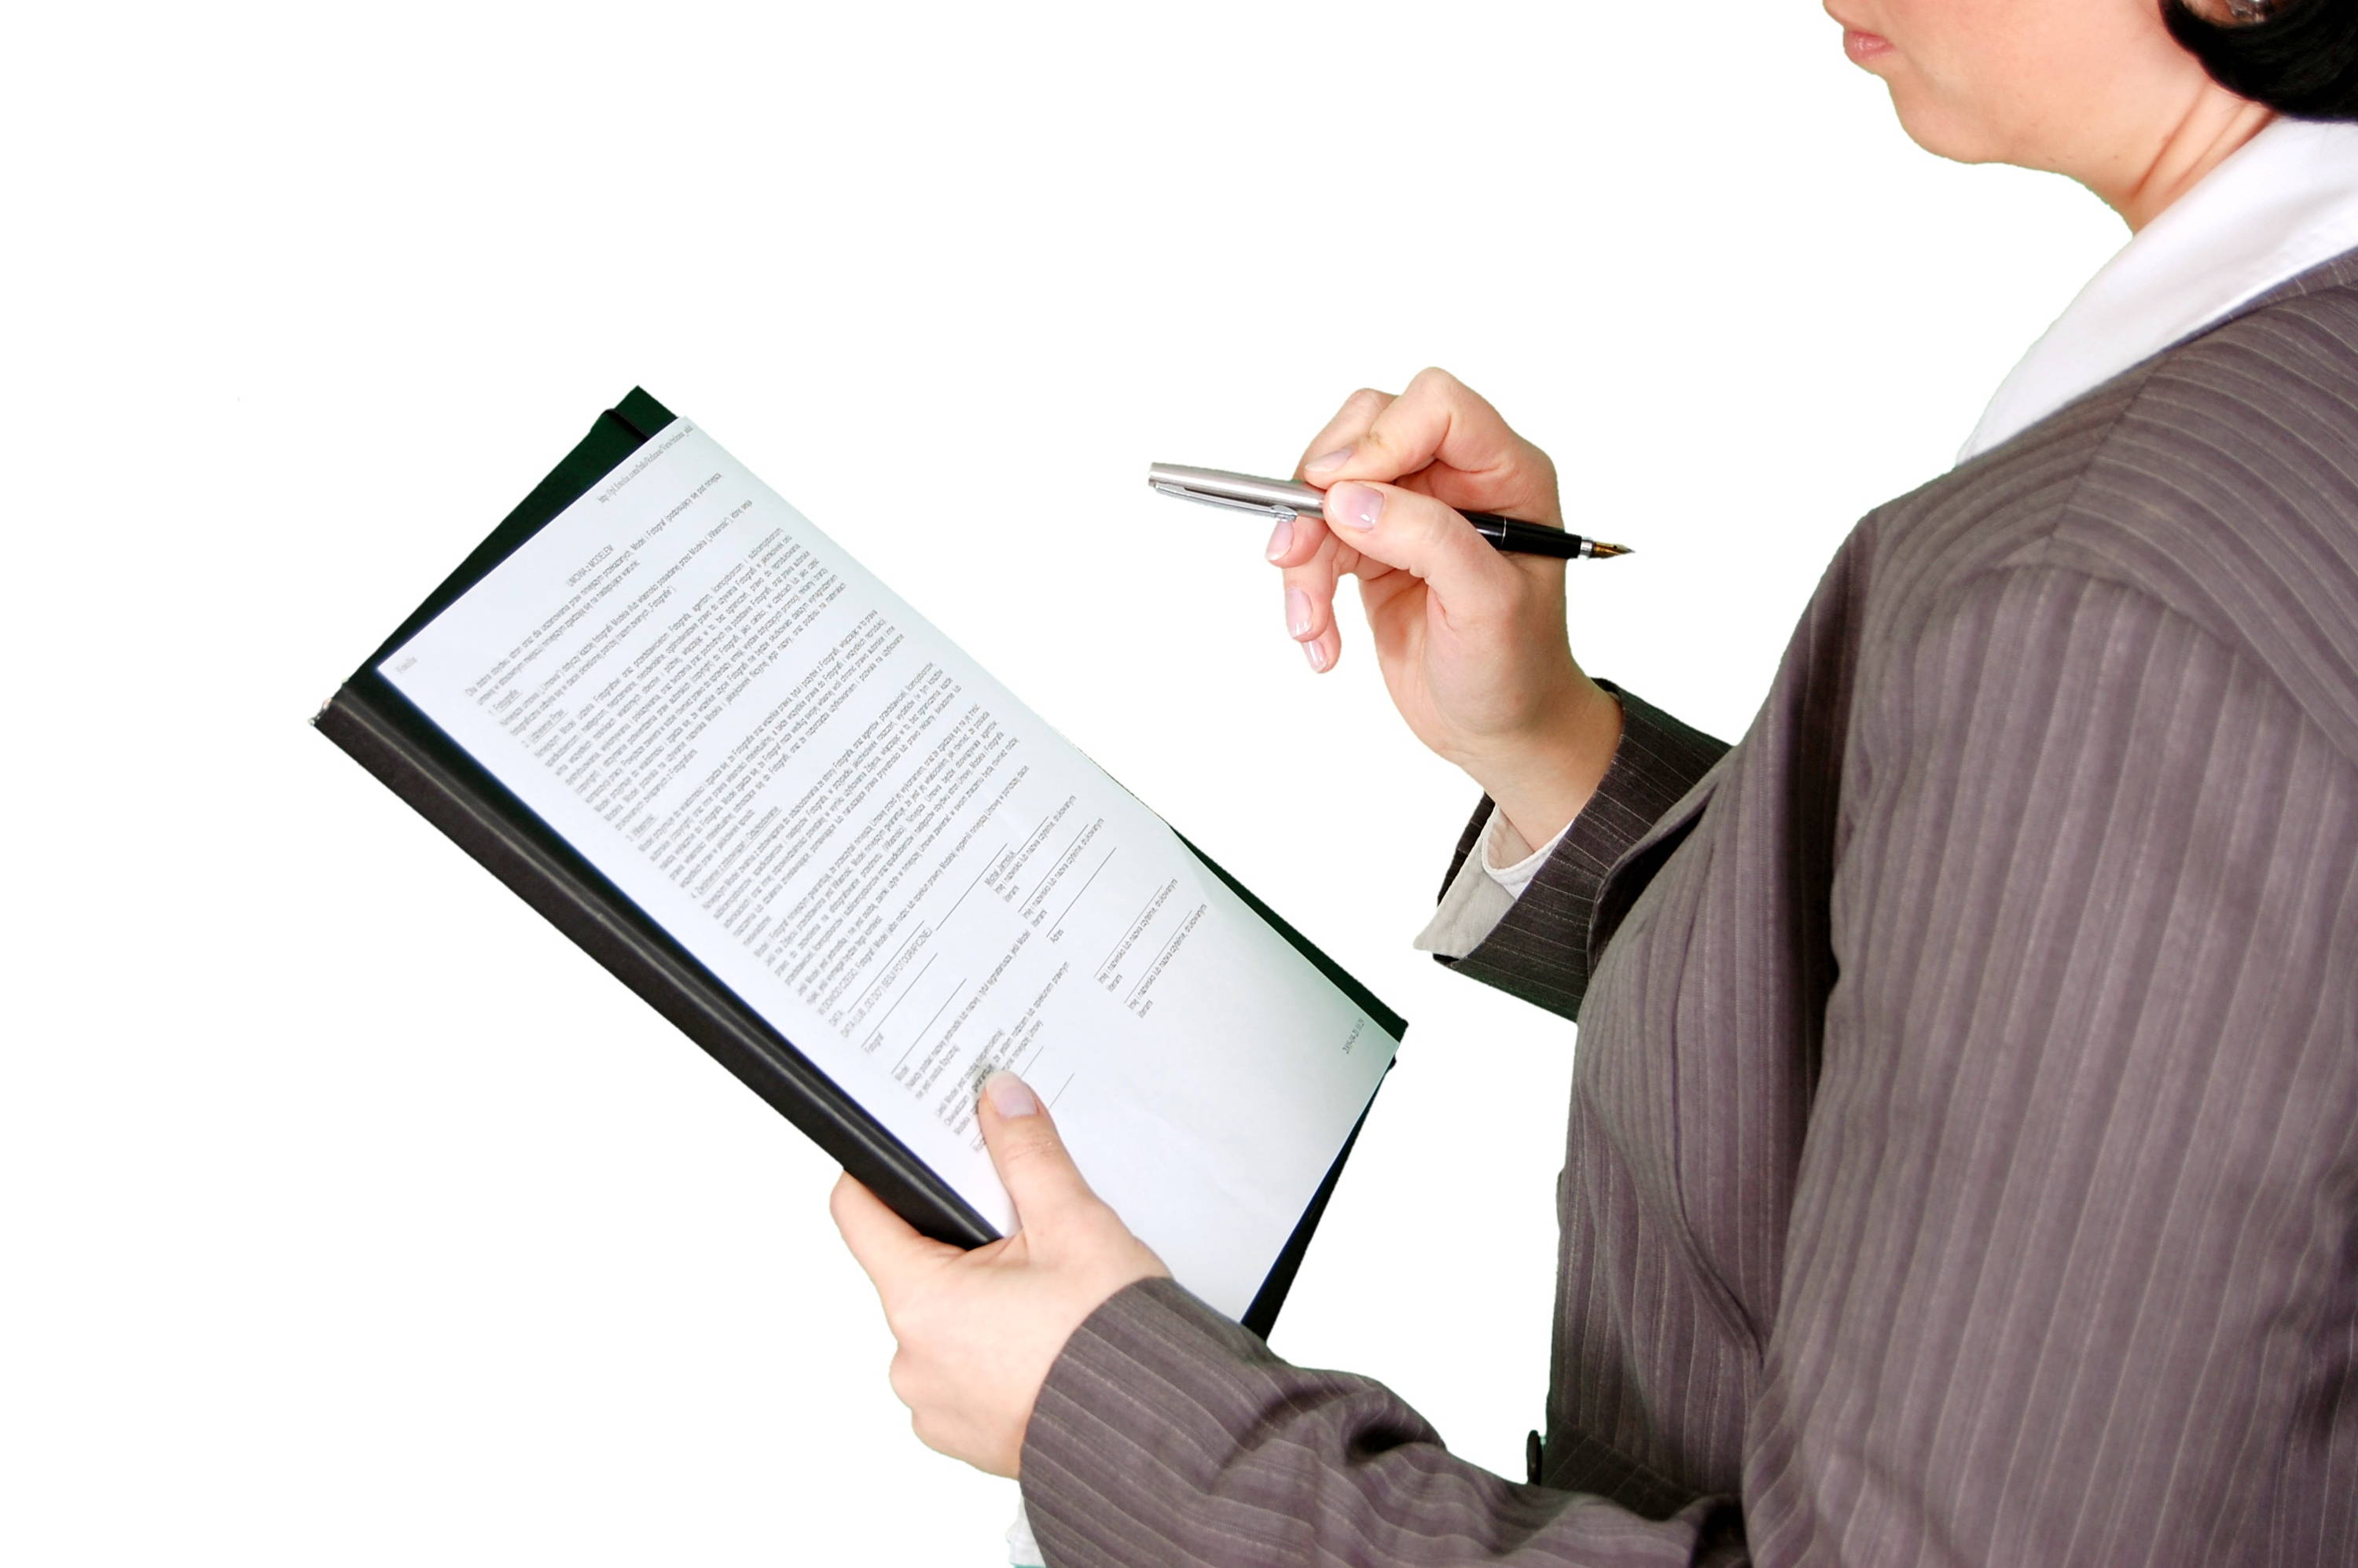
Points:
(1963, 1163)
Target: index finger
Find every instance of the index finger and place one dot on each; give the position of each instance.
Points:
(1350, 422)
(1439, 424)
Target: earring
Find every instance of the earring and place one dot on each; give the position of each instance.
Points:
(2250, 10)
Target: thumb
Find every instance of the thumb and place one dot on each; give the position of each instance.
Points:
(1028, 1154)
(1425, 537)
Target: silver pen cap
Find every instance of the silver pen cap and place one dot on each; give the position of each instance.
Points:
(1238, 492)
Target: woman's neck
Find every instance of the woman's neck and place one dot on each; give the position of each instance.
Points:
(2144, 181)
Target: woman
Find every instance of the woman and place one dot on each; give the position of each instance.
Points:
(1963, 1156)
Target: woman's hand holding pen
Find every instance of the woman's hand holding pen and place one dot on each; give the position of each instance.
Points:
(1471, 641)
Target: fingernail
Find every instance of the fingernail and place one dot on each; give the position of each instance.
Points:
(1280, 536)
(1333, 460)
(1355, 506)
(1315, 652)
(1297, 612)
(1009, 1095)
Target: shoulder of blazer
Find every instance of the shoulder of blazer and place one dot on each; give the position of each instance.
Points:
(2218, 478)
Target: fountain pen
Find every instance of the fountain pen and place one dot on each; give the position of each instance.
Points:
(1285, 500)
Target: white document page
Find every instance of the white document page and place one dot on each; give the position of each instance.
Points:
(894, 861)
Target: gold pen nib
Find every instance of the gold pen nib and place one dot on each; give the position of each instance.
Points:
(1602, 550)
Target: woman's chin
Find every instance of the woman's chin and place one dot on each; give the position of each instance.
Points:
(1941, 134)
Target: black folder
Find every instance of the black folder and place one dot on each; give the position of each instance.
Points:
(412, 756)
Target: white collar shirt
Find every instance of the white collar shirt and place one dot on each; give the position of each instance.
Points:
(2283, 202)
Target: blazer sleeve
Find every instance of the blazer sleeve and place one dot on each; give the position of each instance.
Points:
(2067, 1272)
(1539, 949)
(2070, 1272)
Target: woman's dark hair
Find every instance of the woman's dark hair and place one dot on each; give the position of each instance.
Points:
(2300, 58)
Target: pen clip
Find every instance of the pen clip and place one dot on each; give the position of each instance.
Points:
(1261, 509)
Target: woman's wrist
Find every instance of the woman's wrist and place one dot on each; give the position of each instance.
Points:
(1541, 782)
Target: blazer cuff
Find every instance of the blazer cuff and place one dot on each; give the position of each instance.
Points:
(1138, 1442)
(1539, 949)
(1126, 1420)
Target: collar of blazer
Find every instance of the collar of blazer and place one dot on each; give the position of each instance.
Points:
(2285, 203)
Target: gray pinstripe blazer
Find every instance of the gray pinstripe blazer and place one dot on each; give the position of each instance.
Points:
(1962, 1164)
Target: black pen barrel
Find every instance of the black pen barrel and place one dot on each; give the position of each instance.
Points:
(1526, 538)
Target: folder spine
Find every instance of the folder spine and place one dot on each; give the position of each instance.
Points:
(599, 921)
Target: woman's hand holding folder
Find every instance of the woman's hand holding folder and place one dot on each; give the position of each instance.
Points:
(979, 1330)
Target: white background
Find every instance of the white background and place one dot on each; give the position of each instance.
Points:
(349, 1215)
